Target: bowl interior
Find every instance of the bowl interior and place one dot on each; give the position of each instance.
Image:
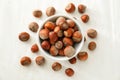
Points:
(77, 46)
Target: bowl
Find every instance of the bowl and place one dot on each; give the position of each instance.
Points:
(77, 47)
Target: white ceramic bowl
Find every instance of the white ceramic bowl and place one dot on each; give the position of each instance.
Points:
(78, 46)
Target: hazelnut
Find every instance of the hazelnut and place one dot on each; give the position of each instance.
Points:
(53, 51)
(71, 23)
(40, 60)
(77, 36)
(69, 72)
(60, 21)
(70, 8)
(37, 13)
(68, 32)
(81, 8)
(53, 37)
(67, 41)
(45, 45)
(92, 33)
(61, 52)
(25, 61)
(50, 11)
(64, 26)
(58, 31)
(73, 60)
(69, 51)
(49, 25)
(92, 45)
(44, 34)
(75, 28)
(33, 26)
(56, 66)
(24, 36)
(82, 56)
(85, 18)
(34, 48)
(59, 44)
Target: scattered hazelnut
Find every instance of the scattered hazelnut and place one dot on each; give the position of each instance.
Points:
(33, 26)
(71, 23)
(53, 51)
(68, 32)
(61, 52)
(69, 51)
(44, 34)
(67, 41)
(60, 21)
(25, 61)
(69, 72)
(37, 13)
(45, 45)
(34, 48)
(24, 36)
(92, 45)
(49, 25)
(73, 60)
(50, 11)
(40, 60)
(56, 66)
(77, 36)
(70, 8)
(59, 44)
(85, 18)
(58, 31)
(82, 56)
(53, 37)
(81, 8)
(92, 33)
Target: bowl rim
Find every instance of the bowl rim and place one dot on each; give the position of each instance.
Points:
(53, 57)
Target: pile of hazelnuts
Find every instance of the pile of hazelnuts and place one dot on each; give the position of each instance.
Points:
(59, 37)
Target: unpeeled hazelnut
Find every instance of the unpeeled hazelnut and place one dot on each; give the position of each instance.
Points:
(77, 36)
(82, 56)
(64, 26)
(49, 25)
(34, 48)
(24, 36)
(69, 51)
(61, 52)
(37, 13)
(73, 60)
(44, 34)
(92, 45)
(92, 33)
(67, 41)
(56, 66)
(33, 26)
(50, 11)
(70, 8)
(58, 31)
(68, 32)
(60, 21)
(53, 37)
(59, 44)
(40, 60)
(81, 8)
(71, 23)
(45, 45)
(25, 61)
(85, 18)
(69, 72)
(53, 51)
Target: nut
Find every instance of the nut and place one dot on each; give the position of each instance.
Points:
(73, 60)
(92, 45)
(64, 26)
(71, 23)
(81, 8)
(53, 37)
(68, 32)
(24, 36)
(58, 31)
(37, 13)
(67, 41)
(34, 48)
(44, 34)
(61, 52)
(82, 56)
(50, 11)
(25, 61)
(85, 18)
(33, 26)
(40, 60)
(53, 51)
(69, 72)
(75, 28)
(77, 36)
(56, 66)
(69, 51)
(59, 44)
(70, 8)
(60, 21)
(45, 45)
(92, 33)
(49, 25)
